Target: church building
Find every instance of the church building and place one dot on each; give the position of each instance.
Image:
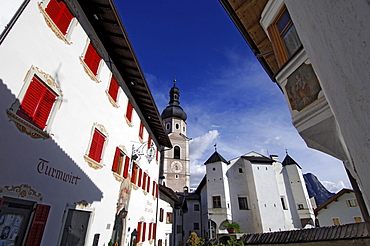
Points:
(176, 162)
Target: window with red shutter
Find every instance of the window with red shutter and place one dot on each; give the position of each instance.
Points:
(144, 231)
(154, 230)
(118, 161)
(127, 165)
(134, 173)
(156, 190)
(144, 181)
(140, 177)
(138, 232)
(97, 145)
(150, 231)
(92, 59)
(141, 130)
(37, 227)
(153, 189)
(156, 155)
(60, 15)
(129, 111)
(149, 142)
(113, 89)
(148, 184)
(37, 104)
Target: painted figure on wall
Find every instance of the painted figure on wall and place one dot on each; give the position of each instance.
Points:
(302, 87)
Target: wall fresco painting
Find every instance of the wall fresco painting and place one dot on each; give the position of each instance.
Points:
(303, 87)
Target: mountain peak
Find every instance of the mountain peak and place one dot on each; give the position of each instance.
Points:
(316, 189)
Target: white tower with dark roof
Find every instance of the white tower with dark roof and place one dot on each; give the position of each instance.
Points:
(176, 163)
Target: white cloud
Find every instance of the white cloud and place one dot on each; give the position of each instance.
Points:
(198, 146)
(333, 186)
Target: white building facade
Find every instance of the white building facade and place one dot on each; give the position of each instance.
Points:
(81, 130)
(340, 209)
(259, 193)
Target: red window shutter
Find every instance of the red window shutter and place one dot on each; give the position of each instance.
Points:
(148, 185)
(133, 177)
(96, 147)
(144, 231)
(156, 190)
(140, 176)
(92, 59)
(60, 14)
(129, 111)
(116, 160)
(156, 155)
(141, 130)
(150, 231)
(149, 142)
(113, 89)
(37, 104)
(153, 189)
(144, 181)
(154, 230)
(38, 225)
(138, 231)
(127, 165)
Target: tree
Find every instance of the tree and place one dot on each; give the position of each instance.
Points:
(193, 239)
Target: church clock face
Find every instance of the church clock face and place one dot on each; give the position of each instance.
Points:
(176, 167)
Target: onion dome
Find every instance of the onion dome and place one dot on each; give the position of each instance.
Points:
(173, 110)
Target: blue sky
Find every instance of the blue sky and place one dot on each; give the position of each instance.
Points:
(226, 94)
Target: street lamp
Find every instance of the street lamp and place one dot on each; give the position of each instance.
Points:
(148, 153)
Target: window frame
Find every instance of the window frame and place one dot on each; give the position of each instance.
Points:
(64, 35)
(243, 200)
(129, 113)
(336, 221)
(169, 217)
(24, 125)
(92, 162)
(352, 202)
(141, 131)
(113, 91)
(94, 49)
(278, 44)
(216, 201)
(176, 152)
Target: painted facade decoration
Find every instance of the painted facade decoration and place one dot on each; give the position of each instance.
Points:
(302, 87)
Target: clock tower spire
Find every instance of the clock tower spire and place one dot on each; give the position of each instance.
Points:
(176, 163)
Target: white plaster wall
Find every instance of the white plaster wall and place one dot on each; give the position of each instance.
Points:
(239, 187)
(291, 216)
(31, 42)
(217, 185)
(164, 230)
(299, 191)
(272, 217)
(339, 209)
(335, 36)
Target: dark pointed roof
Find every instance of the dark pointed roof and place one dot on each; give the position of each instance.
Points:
(173, 110)
(289, 161)
(215, 157)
